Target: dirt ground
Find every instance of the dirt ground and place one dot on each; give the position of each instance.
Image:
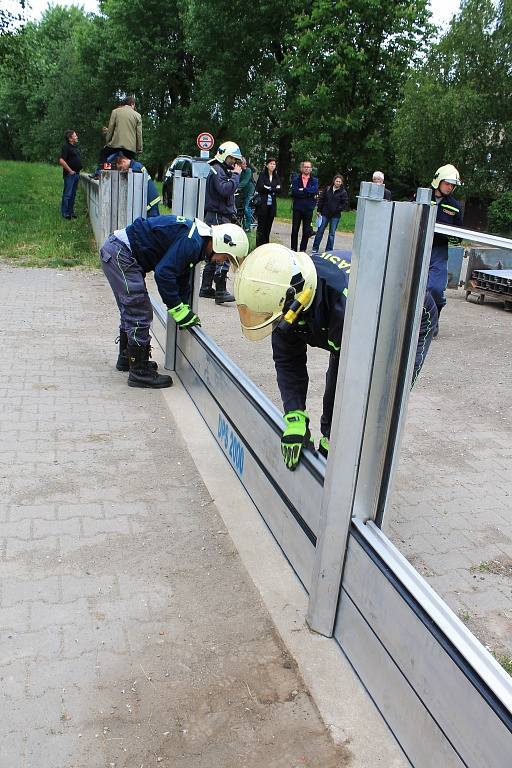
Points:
(450, 512)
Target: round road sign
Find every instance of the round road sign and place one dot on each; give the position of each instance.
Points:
(205, 140)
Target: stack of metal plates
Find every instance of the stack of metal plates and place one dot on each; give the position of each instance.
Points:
(495, 280)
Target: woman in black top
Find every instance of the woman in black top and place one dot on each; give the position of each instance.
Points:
(332, 201)
(267, 187)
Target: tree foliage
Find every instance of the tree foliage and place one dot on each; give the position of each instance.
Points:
(457, 106)
(321, 78)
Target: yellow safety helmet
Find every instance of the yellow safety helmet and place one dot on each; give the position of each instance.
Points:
(267, 283)
(447, 173)
(228, 149)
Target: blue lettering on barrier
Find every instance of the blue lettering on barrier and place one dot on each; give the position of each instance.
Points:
(231, 444)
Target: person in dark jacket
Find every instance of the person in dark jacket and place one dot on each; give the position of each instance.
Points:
(304, 192)
(120, 162)
(170, 246)
(301, 300)
(71, 164)
(332, 201)
(448, 212)
(246, 191)
(220, 208)
(267, 187)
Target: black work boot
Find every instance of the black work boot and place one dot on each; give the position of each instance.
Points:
(122, 359)
(141, 373)
(221, 294)
(206, 291)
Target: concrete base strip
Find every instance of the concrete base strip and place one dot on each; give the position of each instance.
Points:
(342, 701)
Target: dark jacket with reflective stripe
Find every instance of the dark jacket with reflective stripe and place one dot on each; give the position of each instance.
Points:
(171, 246)
(221, 185)
(322, 326)
(319, 326)
(448, 212)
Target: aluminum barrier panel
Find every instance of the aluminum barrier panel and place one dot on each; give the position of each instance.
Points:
(446, 700)
(115, 200)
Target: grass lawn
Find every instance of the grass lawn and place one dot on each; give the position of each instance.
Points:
(32, 231)
(284, 212)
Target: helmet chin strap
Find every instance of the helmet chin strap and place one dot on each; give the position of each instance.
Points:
(291, 316)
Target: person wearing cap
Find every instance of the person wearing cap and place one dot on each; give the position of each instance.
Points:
(448, 212)
(301, 300)
(378, 178)
(121, 162)
(220, 208)
(169, 246)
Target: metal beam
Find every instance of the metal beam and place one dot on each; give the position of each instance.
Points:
(475, 237)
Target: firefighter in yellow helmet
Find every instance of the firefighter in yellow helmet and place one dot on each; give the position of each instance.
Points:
(301, 301)
(449, 212)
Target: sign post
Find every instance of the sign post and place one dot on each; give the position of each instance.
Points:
(205, 142)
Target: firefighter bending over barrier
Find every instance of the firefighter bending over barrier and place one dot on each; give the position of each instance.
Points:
(170, 246)
(301, 301)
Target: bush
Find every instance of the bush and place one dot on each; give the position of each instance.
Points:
(499, 215)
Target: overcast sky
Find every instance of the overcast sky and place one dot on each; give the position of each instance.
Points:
(442, 10)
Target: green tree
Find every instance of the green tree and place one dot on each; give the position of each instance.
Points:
(348, 65)
(457, 106)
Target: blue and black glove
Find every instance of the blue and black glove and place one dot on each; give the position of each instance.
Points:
(184, 316)
(296, 436)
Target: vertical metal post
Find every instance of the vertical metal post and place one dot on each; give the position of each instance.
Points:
(144, 195)
(114, 199)
(130, 198)
(190, 193)
(201, 199)
(122, 199)
(171, 331)
(104, 204)
(386, 242)
(177, 193)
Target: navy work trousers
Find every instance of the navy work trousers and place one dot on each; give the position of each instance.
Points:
(126, 279)
(438, 274)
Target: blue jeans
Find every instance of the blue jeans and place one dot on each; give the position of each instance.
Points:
(68, 195)
(333, 223)
(248, 215)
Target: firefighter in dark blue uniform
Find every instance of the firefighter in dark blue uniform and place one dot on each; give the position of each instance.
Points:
(448, 212)
(169, 246)
(220, 208)
(123, 163)
(301, 300)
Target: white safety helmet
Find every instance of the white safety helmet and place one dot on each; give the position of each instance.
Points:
(231, 240)
(226, 238)
(228, 149)
(271, 278)
(447, 173)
